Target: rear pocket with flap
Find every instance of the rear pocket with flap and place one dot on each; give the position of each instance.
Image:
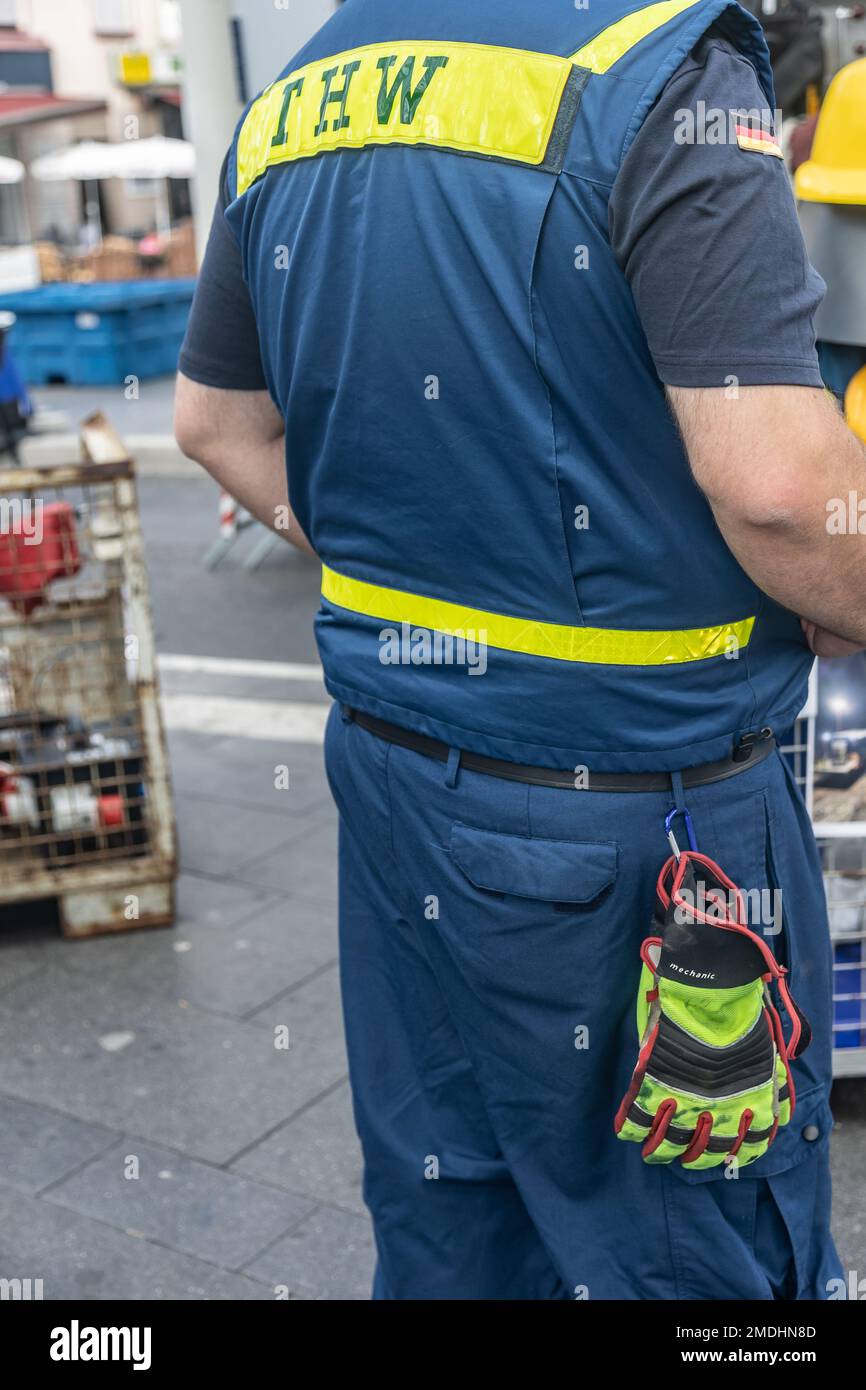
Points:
(554, 871)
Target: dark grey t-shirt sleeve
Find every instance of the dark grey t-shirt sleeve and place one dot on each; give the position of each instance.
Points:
(708, 237)
(221, 347)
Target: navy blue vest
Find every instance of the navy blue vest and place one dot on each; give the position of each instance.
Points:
(516, 559)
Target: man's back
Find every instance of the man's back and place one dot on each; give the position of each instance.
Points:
(477, 439)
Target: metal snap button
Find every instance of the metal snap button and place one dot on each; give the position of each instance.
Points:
(811, 1133)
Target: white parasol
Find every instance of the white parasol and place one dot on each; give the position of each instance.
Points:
(155, 158)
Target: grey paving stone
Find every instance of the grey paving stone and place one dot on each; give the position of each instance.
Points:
(330, 1255)
(39, 1146)
(29, 933)
(215, 902)
(216, 837)
(311, 1016)
(18, 959)
(230, 966)
(170, 1073)
(79, 1258)
(187, 1205)
(304, 865)
(316, 1153)
(311, 1010)
(241, 772)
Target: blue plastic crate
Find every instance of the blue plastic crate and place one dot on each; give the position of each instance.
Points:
(849, 985)
(99, 334)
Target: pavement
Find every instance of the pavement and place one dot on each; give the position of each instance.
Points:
(158, 1138)
(143, 409)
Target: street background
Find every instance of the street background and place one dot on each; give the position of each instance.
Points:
(160, 1044)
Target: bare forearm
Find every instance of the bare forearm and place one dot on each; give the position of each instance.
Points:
(789, 522)
(237, 436)
(821, 578)
(260, 484)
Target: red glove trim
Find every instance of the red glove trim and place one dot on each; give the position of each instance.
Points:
(745, 1123)
(774, 1023)
(659, 1128)
(636, 1082)
(700, 1139)
(644, 951)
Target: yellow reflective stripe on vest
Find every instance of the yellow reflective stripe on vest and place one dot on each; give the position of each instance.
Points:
(473, 98)
(613, 43)
(601, 646)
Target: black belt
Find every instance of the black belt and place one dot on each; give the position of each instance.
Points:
(748, 752)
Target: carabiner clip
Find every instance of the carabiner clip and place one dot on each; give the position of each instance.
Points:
(690, 832)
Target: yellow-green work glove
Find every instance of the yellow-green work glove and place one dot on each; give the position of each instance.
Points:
(713, 1080)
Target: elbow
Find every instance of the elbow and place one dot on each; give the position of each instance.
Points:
(771, 500)
(193, 427)
(191, 439)
(763, 510)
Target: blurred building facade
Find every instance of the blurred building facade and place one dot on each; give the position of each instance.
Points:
(73, 70)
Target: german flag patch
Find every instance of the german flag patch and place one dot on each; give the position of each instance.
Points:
(751, 135)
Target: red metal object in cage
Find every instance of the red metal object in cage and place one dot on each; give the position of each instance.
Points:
(39, 547)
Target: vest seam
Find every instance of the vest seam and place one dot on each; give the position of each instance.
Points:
(587, 178)
(546, 386)
(631, 129)
(749, 682)
(689, 35)
(717, 44)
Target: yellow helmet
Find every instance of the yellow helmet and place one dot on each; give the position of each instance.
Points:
(836, 171)
(855, 404)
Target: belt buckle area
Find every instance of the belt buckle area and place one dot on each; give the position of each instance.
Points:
(747, 744)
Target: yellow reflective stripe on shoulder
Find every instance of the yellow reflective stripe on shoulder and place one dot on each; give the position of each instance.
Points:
(472, 98)
(613, 43)
(600, 646)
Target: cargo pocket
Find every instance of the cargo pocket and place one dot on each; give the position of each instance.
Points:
(570, 872)
(535, 929)
(796, 1205)
(774, 1215)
